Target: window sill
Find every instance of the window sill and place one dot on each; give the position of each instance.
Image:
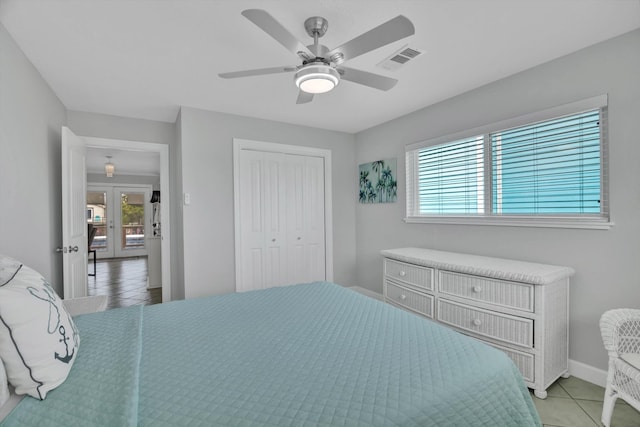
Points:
(511, 221)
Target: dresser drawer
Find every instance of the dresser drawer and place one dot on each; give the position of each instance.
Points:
(524, 361)
(493, 291)
(509, 329)
(406, 298)
(409, 274)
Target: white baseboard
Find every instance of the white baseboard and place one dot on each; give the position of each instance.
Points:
(588, 373)
(367, 292)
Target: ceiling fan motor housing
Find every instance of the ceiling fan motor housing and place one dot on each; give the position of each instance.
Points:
(316, 25)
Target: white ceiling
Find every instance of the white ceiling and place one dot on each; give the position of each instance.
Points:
(126, 162)
(146, 58)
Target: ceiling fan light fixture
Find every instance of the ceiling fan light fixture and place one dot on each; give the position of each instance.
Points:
(317, 78)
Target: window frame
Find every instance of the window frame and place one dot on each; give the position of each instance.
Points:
(601, 220)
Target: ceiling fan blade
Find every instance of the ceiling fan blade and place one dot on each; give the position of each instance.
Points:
(304, 97)
(269, 25)
(389, 32)
(256, 72)
(367, 79)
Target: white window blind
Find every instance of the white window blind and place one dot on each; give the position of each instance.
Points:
(552, 170)
(450, 177)
(551, 167)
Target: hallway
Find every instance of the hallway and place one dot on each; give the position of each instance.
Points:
(124, 281)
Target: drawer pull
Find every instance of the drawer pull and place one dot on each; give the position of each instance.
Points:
(477, 289)
(403, 297)
(402, 273)
(477, 322)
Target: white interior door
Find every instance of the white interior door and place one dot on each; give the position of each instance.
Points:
(273, 206)
(74, 219)
(305, 219)
(280, 219)
(261, 225)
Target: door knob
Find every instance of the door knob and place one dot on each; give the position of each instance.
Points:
(63, 250)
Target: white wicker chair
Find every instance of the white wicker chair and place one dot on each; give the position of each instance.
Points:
(620, 330)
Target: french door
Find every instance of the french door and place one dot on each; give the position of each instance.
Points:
(121, 216)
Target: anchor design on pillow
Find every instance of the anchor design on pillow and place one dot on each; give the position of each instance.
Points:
(48, 295)
(67, 358)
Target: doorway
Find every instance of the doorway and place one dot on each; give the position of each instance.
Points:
(161, 243)
(121, 216)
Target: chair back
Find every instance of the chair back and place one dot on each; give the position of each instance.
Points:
(91, 232)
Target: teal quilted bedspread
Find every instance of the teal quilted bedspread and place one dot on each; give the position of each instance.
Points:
(305, 355)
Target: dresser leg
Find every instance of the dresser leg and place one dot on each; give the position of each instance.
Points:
(540, 394)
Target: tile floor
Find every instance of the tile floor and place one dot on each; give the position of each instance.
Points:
(124, 281)
(573, 402)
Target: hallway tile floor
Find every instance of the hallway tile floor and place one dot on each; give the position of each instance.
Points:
(124, 281)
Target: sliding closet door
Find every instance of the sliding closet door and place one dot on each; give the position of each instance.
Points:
(280, 219)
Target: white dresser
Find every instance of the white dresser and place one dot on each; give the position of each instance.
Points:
(518, 307)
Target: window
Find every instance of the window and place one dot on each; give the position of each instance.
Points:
(545, 172)
(451, 178)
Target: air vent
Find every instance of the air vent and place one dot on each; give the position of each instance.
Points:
(400, 58)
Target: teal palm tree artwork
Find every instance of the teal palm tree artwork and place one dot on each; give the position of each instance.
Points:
(378, 182)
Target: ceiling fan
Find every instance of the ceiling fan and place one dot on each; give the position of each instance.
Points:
(321, 69)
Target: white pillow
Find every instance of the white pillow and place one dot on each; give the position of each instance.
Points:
(4, 386)
(38, 340)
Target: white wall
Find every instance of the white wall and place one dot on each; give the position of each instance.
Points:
(31, 118)
(207, 174)
(177, 242)
(607, 262)
(116, 127)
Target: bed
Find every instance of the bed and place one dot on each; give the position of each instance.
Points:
(311, 354)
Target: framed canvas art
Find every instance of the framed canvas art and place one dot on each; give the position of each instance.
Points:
(378, 181)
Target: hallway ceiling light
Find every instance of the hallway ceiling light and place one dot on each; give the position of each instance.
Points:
(109, 168)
